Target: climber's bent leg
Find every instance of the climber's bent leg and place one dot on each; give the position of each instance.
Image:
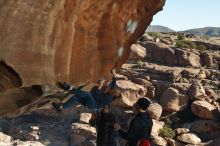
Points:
(81, 97)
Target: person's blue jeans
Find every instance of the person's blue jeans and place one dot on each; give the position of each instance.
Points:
(93, 101)
(80, 97)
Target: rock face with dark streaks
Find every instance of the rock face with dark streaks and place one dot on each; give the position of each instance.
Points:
(76, 41)
(70, 40)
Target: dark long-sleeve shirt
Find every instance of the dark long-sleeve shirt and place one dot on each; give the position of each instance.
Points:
(106, 134)
(113, 83)
(94, 99)
(139, 128)
(103, 99)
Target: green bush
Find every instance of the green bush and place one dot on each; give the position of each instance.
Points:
(192, 45)
(140, 64)
(204, 37)
(181, 44)
(201, 47)
(155, 35)
(166, 131)
(185, 44)
(181, 36)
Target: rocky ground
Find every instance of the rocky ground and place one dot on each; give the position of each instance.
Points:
(181, 75)
(180, 78)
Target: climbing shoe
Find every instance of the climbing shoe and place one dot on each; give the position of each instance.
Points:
(58, 106)
(63, 85)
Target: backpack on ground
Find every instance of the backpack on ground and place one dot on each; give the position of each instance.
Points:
(143, 142)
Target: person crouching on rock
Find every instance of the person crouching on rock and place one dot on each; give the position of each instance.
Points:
(140, 127)
(93, 100)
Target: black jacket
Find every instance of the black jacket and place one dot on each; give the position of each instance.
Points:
(106, 134)
(103, 99)
(139, 128)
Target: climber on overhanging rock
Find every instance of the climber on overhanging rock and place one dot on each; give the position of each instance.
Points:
(97, 98)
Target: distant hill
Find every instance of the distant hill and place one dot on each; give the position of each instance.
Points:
(158, 28)
(209, 31)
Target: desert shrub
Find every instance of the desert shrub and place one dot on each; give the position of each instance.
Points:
(174, 33)
(140, 64)
(201, 47)
(155, 35)
(181, 36)
(191, 45)
(181, 44)
(185, 44)
(204, 37)
(167, 131)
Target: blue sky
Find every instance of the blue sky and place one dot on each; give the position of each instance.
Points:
(186, 14)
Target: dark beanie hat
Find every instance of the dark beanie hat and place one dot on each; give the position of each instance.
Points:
(143, 103)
